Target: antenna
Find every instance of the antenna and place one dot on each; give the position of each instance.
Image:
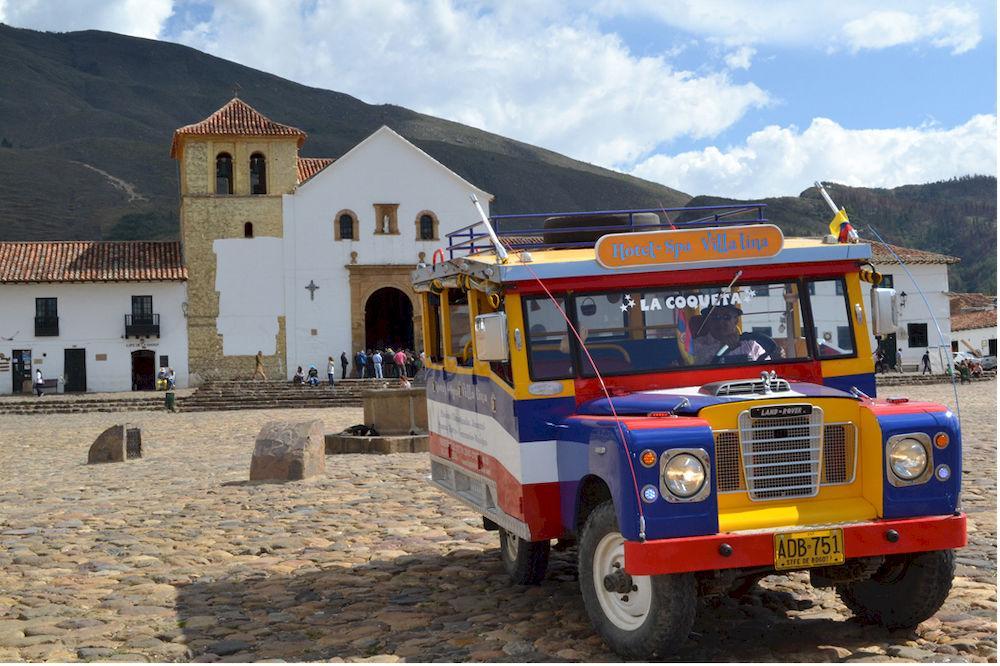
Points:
(501, 250)
(826, 197)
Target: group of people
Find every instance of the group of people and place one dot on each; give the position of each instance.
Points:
(166, 379)
(379, 364)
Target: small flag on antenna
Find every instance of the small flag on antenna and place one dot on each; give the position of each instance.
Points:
(841, 227)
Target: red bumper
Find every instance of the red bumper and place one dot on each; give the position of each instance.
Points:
(755, 549)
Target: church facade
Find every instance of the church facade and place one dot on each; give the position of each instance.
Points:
(304, 258)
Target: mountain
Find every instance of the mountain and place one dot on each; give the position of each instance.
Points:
(86, 120)
(956, 217)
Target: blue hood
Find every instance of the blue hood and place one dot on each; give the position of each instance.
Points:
(642, 403)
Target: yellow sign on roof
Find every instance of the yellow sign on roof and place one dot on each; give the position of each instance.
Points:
(682, 246)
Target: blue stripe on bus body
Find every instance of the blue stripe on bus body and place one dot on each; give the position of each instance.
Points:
(864, 381)
(935, 497)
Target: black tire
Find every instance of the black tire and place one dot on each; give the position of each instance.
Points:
(525, 561)
(672, 602)
(904, 592)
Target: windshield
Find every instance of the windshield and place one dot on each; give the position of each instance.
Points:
(661, 329)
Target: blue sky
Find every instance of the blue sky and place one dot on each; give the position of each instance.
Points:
(726, 97)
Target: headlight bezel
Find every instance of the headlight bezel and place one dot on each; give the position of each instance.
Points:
(926, 474)
(701, 455)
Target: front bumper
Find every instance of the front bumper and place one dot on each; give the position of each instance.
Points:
(756, 548)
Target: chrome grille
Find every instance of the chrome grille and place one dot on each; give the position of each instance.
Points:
(838, 453)
(781, 456)
(750, 387)
(727, 461)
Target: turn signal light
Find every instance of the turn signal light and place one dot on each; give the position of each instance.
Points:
(941, 440)
(647, 458)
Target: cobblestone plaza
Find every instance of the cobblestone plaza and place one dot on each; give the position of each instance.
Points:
(177, 557)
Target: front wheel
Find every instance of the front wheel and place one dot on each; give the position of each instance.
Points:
(525, 561)
(904, 592)
(639, 617)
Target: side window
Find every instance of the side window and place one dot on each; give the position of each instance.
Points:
(258, 174)
(917, 335)
(426, 227)
(549, 354)
(345, 227)
(223, 173)
(484, 305)
(460, 329)
(832, 329)
(434, 342)
(248, 230)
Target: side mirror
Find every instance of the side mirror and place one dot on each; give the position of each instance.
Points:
(491, 337)
(885, 319)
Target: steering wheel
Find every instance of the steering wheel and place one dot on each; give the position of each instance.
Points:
(771, 351)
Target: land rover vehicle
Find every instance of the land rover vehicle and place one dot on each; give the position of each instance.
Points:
(693, 402)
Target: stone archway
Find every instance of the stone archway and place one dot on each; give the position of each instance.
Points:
(365, 281)
(388, 320)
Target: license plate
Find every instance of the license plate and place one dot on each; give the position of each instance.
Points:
(798, 550)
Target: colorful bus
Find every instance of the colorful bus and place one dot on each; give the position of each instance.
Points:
(689, 397)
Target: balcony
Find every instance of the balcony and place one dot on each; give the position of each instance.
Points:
(142, 325)
(46, 326)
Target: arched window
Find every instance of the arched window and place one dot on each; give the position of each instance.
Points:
(427, 226)
(248, 230)
(258, 174)
(345, 226)
(223, 173)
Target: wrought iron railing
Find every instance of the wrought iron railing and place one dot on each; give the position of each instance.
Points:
(142, 325)
(46, 326)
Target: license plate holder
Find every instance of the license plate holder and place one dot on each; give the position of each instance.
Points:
(813, 548)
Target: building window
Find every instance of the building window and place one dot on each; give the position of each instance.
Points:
(917, 335)
(258, 174)
(346, 226)
(427, 226)
(164, 361)
(223, 173)
(248, 230)
(46, 317)
(886, 282)
(142, 306)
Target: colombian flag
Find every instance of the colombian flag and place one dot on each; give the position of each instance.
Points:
(685, 338)
(840, 226)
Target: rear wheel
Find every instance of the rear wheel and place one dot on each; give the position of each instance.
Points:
(525, 561)
(904, 592)
(639, 617)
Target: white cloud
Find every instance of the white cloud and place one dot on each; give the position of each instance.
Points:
(534, 72)
(779, 161)
(139, 18)
(741, 57)
(830, 25)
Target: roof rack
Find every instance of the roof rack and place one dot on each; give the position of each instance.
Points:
(521, 232)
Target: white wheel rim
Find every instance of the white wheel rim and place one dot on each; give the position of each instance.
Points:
(512, 543)
(626, 611)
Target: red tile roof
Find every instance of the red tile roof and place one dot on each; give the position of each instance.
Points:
(310, 166)
(880, 255)
(965, 302)
(91, 261)
(236, 118)
(969, 320)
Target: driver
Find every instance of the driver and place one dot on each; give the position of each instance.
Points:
(719, 339)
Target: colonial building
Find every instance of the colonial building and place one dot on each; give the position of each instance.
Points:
(974, 323)
(304, 258)
(92, 316)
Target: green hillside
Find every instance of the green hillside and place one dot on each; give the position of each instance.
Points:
(956, 217)
(112, 102)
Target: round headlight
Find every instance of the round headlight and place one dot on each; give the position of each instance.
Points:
(908, 459)
(684, 475)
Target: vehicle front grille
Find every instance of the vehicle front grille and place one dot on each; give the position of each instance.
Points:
(786, 457)
(747, 387)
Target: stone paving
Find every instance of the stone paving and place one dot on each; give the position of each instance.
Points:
(177, 557)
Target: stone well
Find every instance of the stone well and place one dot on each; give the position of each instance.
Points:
(398, 415)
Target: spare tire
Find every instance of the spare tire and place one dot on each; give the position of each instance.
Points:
(575, 226)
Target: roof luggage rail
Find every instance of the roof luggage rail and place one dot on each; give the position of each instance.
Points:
(582, 229)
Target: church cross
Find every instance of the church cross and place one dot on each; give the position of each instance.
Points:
(312, 287)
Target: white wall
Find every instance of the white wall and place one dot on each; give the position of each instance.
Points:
(248, 277)
(92, 317)
(382, 169)
(933, 280)
(977, 338)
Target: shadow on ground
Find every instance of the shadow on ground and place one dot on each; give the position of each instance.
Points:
(459, 607)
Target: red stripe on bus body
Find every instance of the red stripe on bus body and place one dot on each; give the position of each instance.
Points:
(536, 504)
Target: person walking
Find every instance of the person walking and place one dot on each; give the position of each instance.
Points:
(899, 361)
(39, 382)
(925, 363)
(171, 379)
(377, 360)
(258, 370)
(343, 365)
(331, 369)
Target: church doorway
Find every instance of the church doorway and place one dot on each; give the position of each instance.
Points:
(388, 320)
